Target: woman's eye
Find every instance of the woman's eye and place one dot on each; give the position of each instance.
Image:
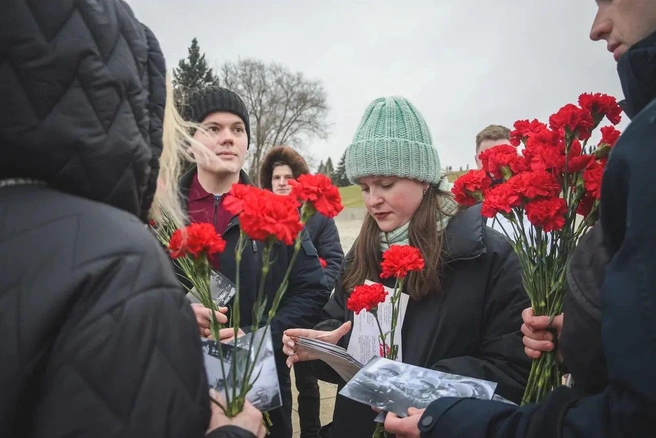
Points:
(240, 130)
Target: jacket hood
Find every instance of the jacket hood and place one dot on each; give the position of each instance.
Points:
(83, 92)
(637, 71)
(286, 155)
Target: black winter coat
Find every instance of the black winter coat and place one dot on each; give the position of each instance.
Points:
(96, 336)
(471, 327)
(325, 237)
(626, 405)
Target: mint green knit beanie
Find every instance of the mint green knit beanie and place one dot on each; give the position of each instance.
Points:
(393, 140)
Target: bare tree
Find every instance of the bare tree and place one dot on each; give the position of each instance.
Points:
(285, 107)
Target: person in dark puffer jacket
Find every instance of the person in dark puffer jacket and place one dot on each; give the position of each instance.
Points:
(96, 335)
(280, 165)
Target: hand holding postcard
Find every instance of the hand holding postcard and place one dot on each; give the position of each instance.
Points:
(394, 386)
(335, 356)
(265, 393)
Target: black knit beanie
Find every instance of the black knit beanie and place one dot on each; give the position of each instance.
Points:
(213, 99)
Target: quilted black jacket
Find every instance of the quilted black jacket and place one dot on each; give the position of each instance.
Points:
(96, 336)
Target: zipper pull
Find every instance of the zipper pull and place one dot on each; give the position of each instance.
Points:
(216, 200)
(254, 246)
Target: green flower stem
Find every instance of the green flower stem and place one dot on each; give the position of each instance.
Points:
(258, 310)
(283, 285)
(238, 399)
(380, 431)
(374, 312)
(396, 307)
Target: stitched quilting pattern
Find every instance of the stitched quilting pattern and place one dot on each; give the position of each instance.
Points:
(83, 92)
(97, 335)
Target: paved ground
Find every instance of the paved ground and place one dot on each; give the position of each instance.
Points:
(348, 224)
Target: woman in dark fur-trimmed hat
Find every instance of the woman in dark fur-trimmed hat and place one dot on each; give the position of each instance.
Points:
(281, 164)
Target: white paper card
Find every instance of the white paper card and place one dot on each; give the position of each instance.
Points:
(365, 340)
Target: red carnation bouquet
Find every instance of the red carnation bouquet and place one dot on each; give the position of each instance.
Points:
(265, 217)
(192, 247)
(554, 183)
(397, 262)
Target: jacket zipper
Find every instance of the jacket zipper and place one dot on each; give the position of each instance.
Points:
(216, 208)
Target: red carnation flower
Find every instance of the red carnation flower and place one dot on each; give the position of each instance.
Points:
(549, 214)
(323, 263)
(544, 157)
(586, 205)
(319, 191)
(398, 260)
(267, 215)
(502, 161)
(196, 240)
(536, 184)
(573, 119)
(239, 195)
(264, 215)
(576, 161)
(366, 297)
(609, 136)
(545, 137)
(501, 198)
(592, 179)
(524, 129)
(600, 105)
(470, 187)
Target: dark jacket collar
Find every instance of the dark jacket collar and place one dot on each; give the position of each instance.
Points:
(637, 71)
(464, 235)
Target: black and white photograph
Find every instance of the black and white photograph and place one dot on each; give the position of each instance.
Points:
(221, 288)
(394, 386)
(265, 393)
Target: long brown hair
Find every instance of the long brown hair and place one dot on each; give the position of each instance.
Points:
(422, 234)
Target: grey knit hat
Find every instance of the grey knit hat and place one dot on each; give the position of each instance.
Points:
(205, 101)
(393, 140)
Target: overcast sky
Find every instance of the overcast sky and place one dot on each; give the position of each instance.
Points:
(464, 63)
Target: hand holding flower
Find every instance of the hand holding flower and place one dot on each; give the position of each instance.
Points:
(204, 317)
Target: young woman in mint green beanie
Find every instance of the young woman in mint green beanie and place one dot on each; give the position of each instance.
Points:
(464, 312)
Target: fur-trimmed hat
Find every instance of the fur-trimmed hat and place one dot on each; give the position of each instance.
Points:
(283, 154)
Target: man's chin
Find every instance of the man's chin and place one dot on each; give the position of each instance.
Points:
(222, 169)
